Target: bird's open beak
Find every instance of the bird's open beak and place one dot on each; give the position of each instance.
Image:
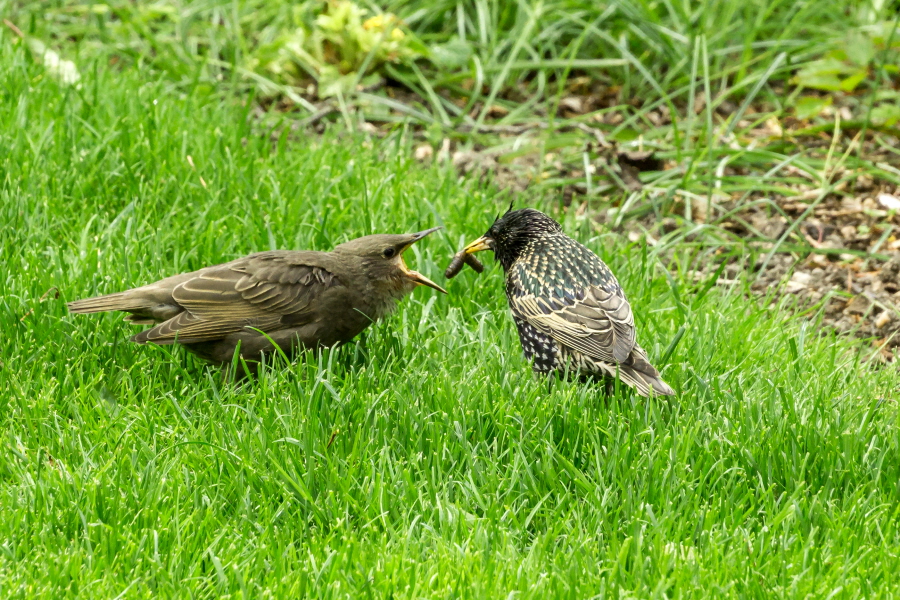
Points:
(422, 280)
(482, 243)
(418, 236)
(414, 275)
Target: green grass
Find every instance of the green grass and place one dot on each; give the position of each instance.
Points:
(524, 56)
(424, 461)
(720, 70)
(696, 82)
(647, 47)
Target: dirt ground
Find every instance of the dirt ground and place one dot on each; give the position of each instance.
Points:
(838, 254)
(837, 251)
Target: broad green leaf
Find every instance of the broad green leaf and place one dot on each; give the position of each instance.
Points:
(452, 55)
(808, 107)
(849, 84)
(819, 81)
(886, 114)
(860, 49)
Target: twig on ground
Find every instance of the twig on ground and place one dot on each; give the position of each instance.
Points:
(14, 29)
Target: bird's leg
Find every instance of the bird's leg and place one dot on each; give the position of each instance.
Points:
(609, 386)
(240, 368)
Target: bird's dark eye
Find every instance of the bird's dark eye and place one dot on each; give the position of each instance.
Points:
(389, 253)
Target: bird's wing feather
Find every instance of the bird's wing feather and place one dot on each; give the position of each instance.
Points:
(592, 319)
(253, 292)
(189, 329)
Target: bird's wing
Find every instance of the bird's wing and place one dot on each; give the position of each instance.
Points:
(256, 291)
(593, 319)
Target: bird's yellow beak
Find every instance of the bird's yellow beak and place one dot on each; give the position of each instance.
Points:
(414, 275)
(482, 243)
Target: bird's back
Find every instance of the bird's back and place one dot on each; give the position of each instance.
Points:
(571, 313)
(556, 266)
(155, 302)
(290, 295)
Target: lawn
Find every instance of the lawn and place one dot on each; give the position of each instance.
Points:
(425, 460)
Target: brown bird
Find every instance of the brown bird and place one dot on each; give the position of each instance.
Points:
(570, 311)
(298, 299)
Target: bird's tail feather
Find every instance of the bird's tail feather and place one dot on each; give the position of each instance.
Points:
(119, 301)
(638, 371)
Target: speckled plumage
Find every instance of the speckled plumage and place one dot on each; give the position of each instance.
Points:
(568, 307)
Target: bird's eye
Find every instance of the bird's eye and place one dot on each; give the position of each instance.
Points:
(389, 253)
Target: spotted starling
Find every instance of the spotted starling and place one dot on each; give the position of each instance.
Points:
(298, 299)
(570, 311)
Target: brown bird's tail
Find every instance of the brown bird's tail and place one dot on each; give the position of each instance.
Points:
(118, 301)
(638, 372)
(143, 309)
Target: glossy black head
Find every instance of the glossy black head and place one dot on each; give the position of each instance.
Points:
(511, 233)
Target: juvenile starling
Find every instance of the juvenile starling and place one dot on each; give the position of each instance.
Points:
(570, 311)
(299, 299)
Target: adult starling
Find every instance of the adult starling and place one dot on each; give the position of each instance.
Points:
(570, 311)
(299, 299)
